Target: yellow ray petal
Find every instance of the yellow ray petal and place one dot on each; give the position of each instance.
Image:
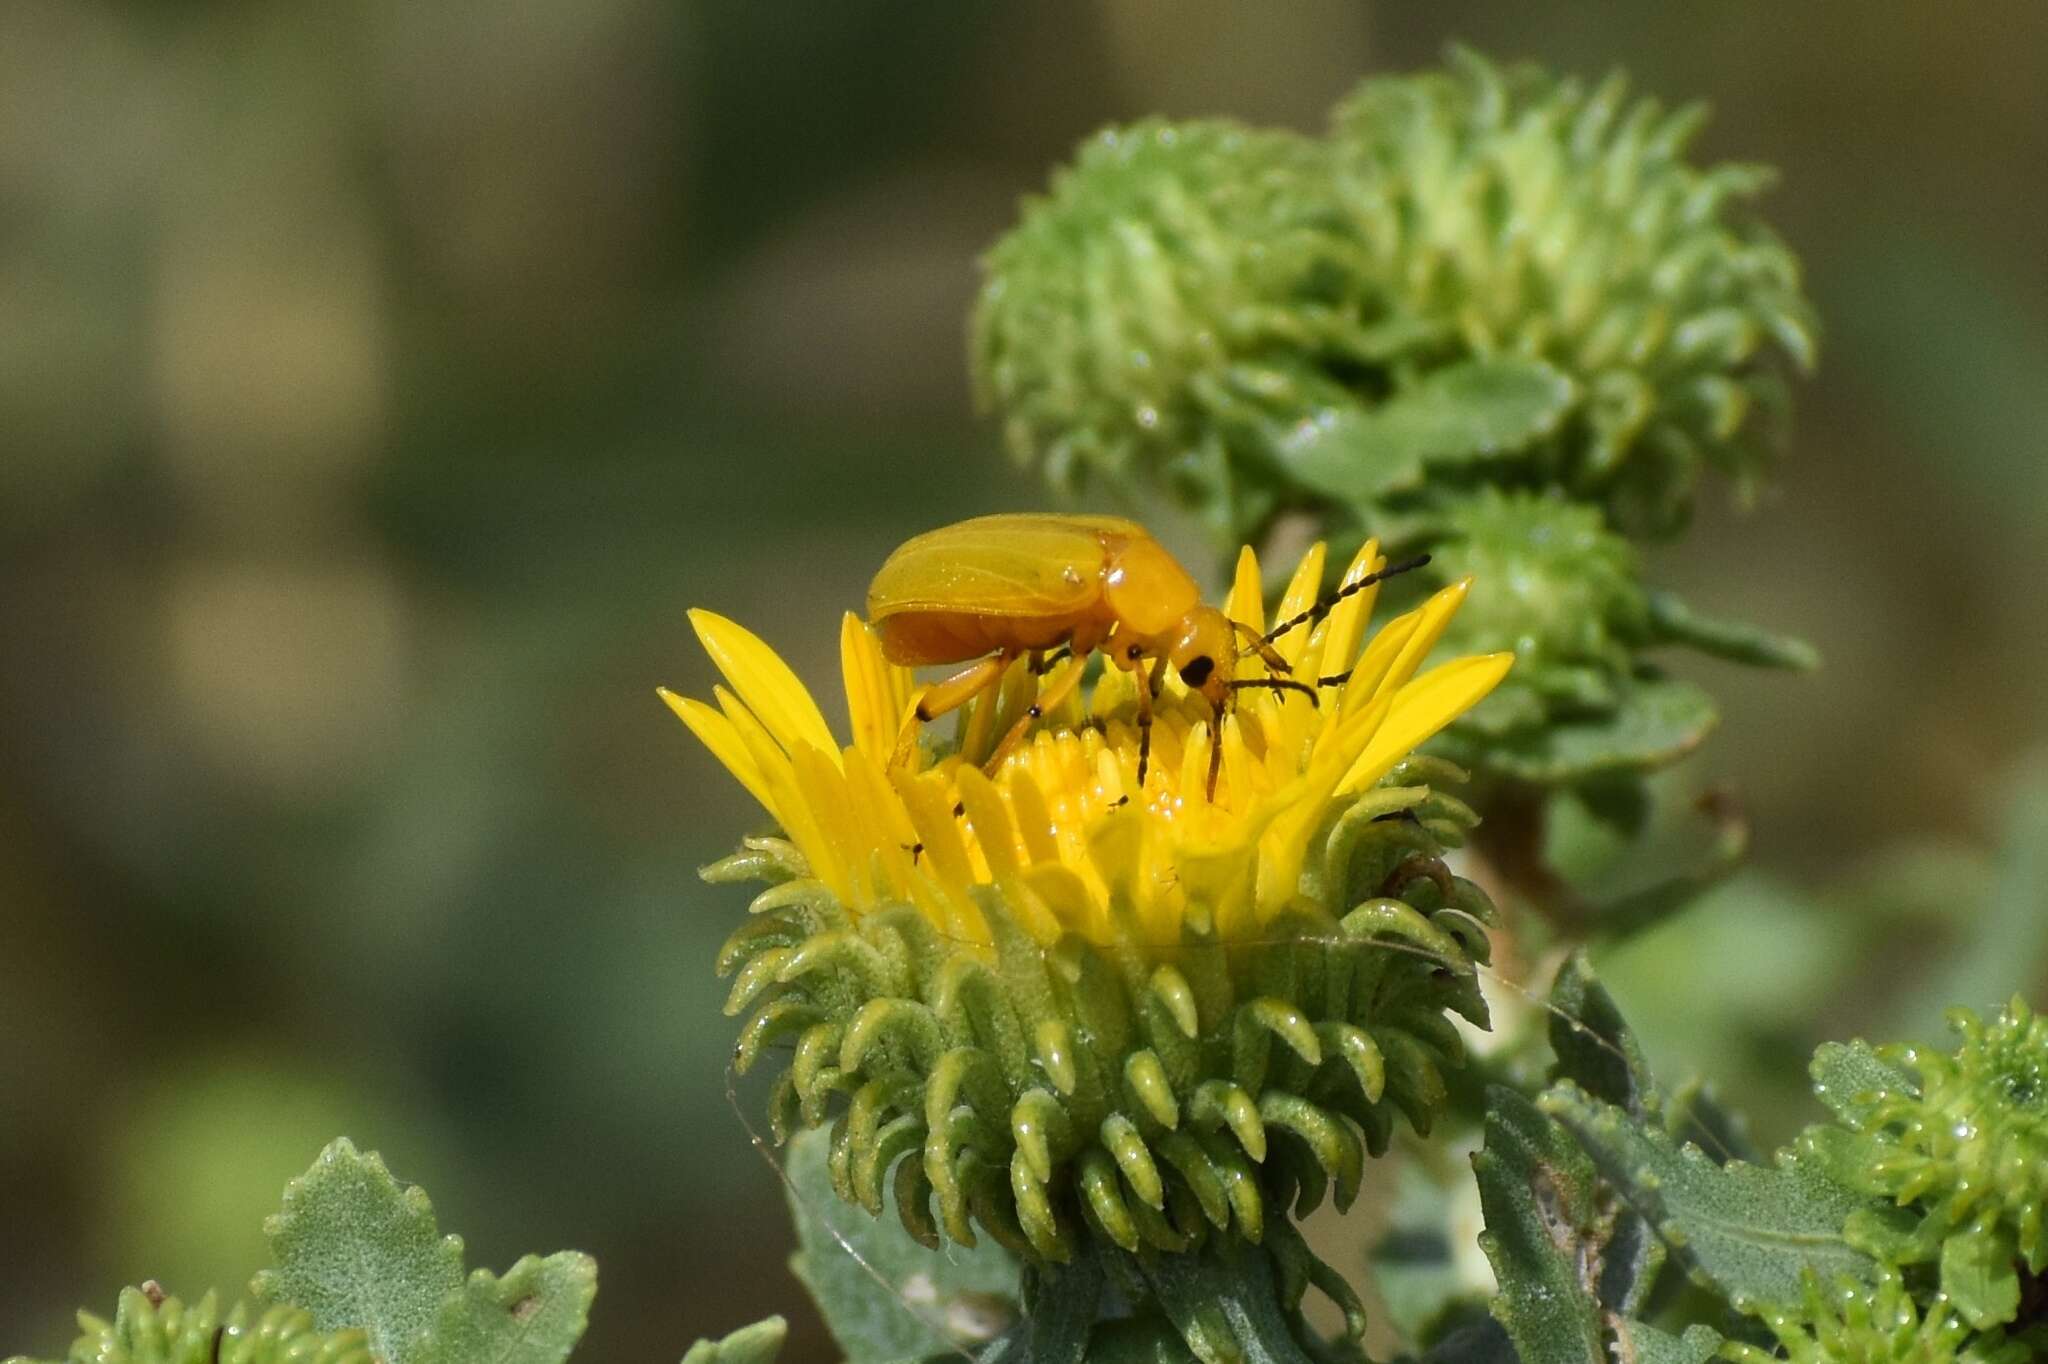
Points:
(1302, 590)
(765, 683)
(1379, 656)
(1247, 599)
(1034, 820)
(1346, 625)
(871, 704)
(716, 733)
(1430, 621)
(1422, 708)
(847, 857)
(989, 816)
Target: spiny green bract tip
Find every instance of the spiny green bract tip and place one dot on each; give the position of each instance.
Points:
(1155, 1096)
(1482, 274)
(150, 1328)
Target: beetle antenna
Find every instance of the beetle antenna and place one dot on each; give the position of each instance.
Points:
(1356, 585)
(1275, 684)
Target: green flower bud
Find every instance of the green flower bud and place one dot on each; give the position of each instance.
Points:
(150, 1328)
(1968, 1143)
(1482, 275)
(1854, 1323)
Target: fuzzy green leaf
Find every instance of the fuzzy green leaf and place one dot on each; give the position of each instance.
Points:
(1847, 1075)
(1980, 1275)
(1547, 1225)
(1748, 1231)
(899, 1301)
(1738, 642)
(533, 1315)
(756, 1344)
(1648, 1345)
(1467, 411)
(355, 1248)
(1595, 1046)
(1656, 722)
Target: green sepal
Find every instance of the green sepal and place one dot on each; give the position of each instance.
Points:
(354, 1247)
(759, 1343)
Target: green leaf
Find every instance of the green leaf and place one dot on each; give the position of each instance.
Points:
(1471, 410)
(1657, 722)
(898, 1301)
(1695, 1113)
(1980, 1274)
(1748, 1231)
(1547, 1226)
(1594, 1045)
(355, 1248)
(756, 1344)
(1676, 623)
(1647, 1345)
(533, 1315)
(1846, 1076)
(1596, 1049)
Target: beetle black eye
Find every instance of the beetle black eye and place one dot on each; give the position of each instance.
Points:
(1197, 670)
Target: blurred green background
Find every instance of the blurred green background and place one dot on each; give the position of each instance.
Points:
(379, 382)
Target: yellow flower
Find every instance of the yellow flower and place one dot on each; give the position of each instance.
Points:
(1058, 823)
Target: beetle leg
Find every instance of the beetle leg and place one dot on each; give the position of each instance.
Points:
(1049, 698)
(945, 696)
(1215, 750)
(1263, 647)
(1145, 675)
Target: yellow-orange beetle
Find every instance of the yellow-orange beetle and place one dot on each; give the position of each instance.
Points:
(996, 588)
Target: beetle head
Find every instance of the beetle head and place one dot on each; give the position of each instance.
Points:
(1204, 652)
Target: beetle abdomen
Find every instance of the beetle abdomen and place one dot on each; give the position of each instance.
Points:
(913, 639)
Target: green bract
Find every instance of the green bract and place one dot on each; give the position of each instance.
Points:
(1137, 1097)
